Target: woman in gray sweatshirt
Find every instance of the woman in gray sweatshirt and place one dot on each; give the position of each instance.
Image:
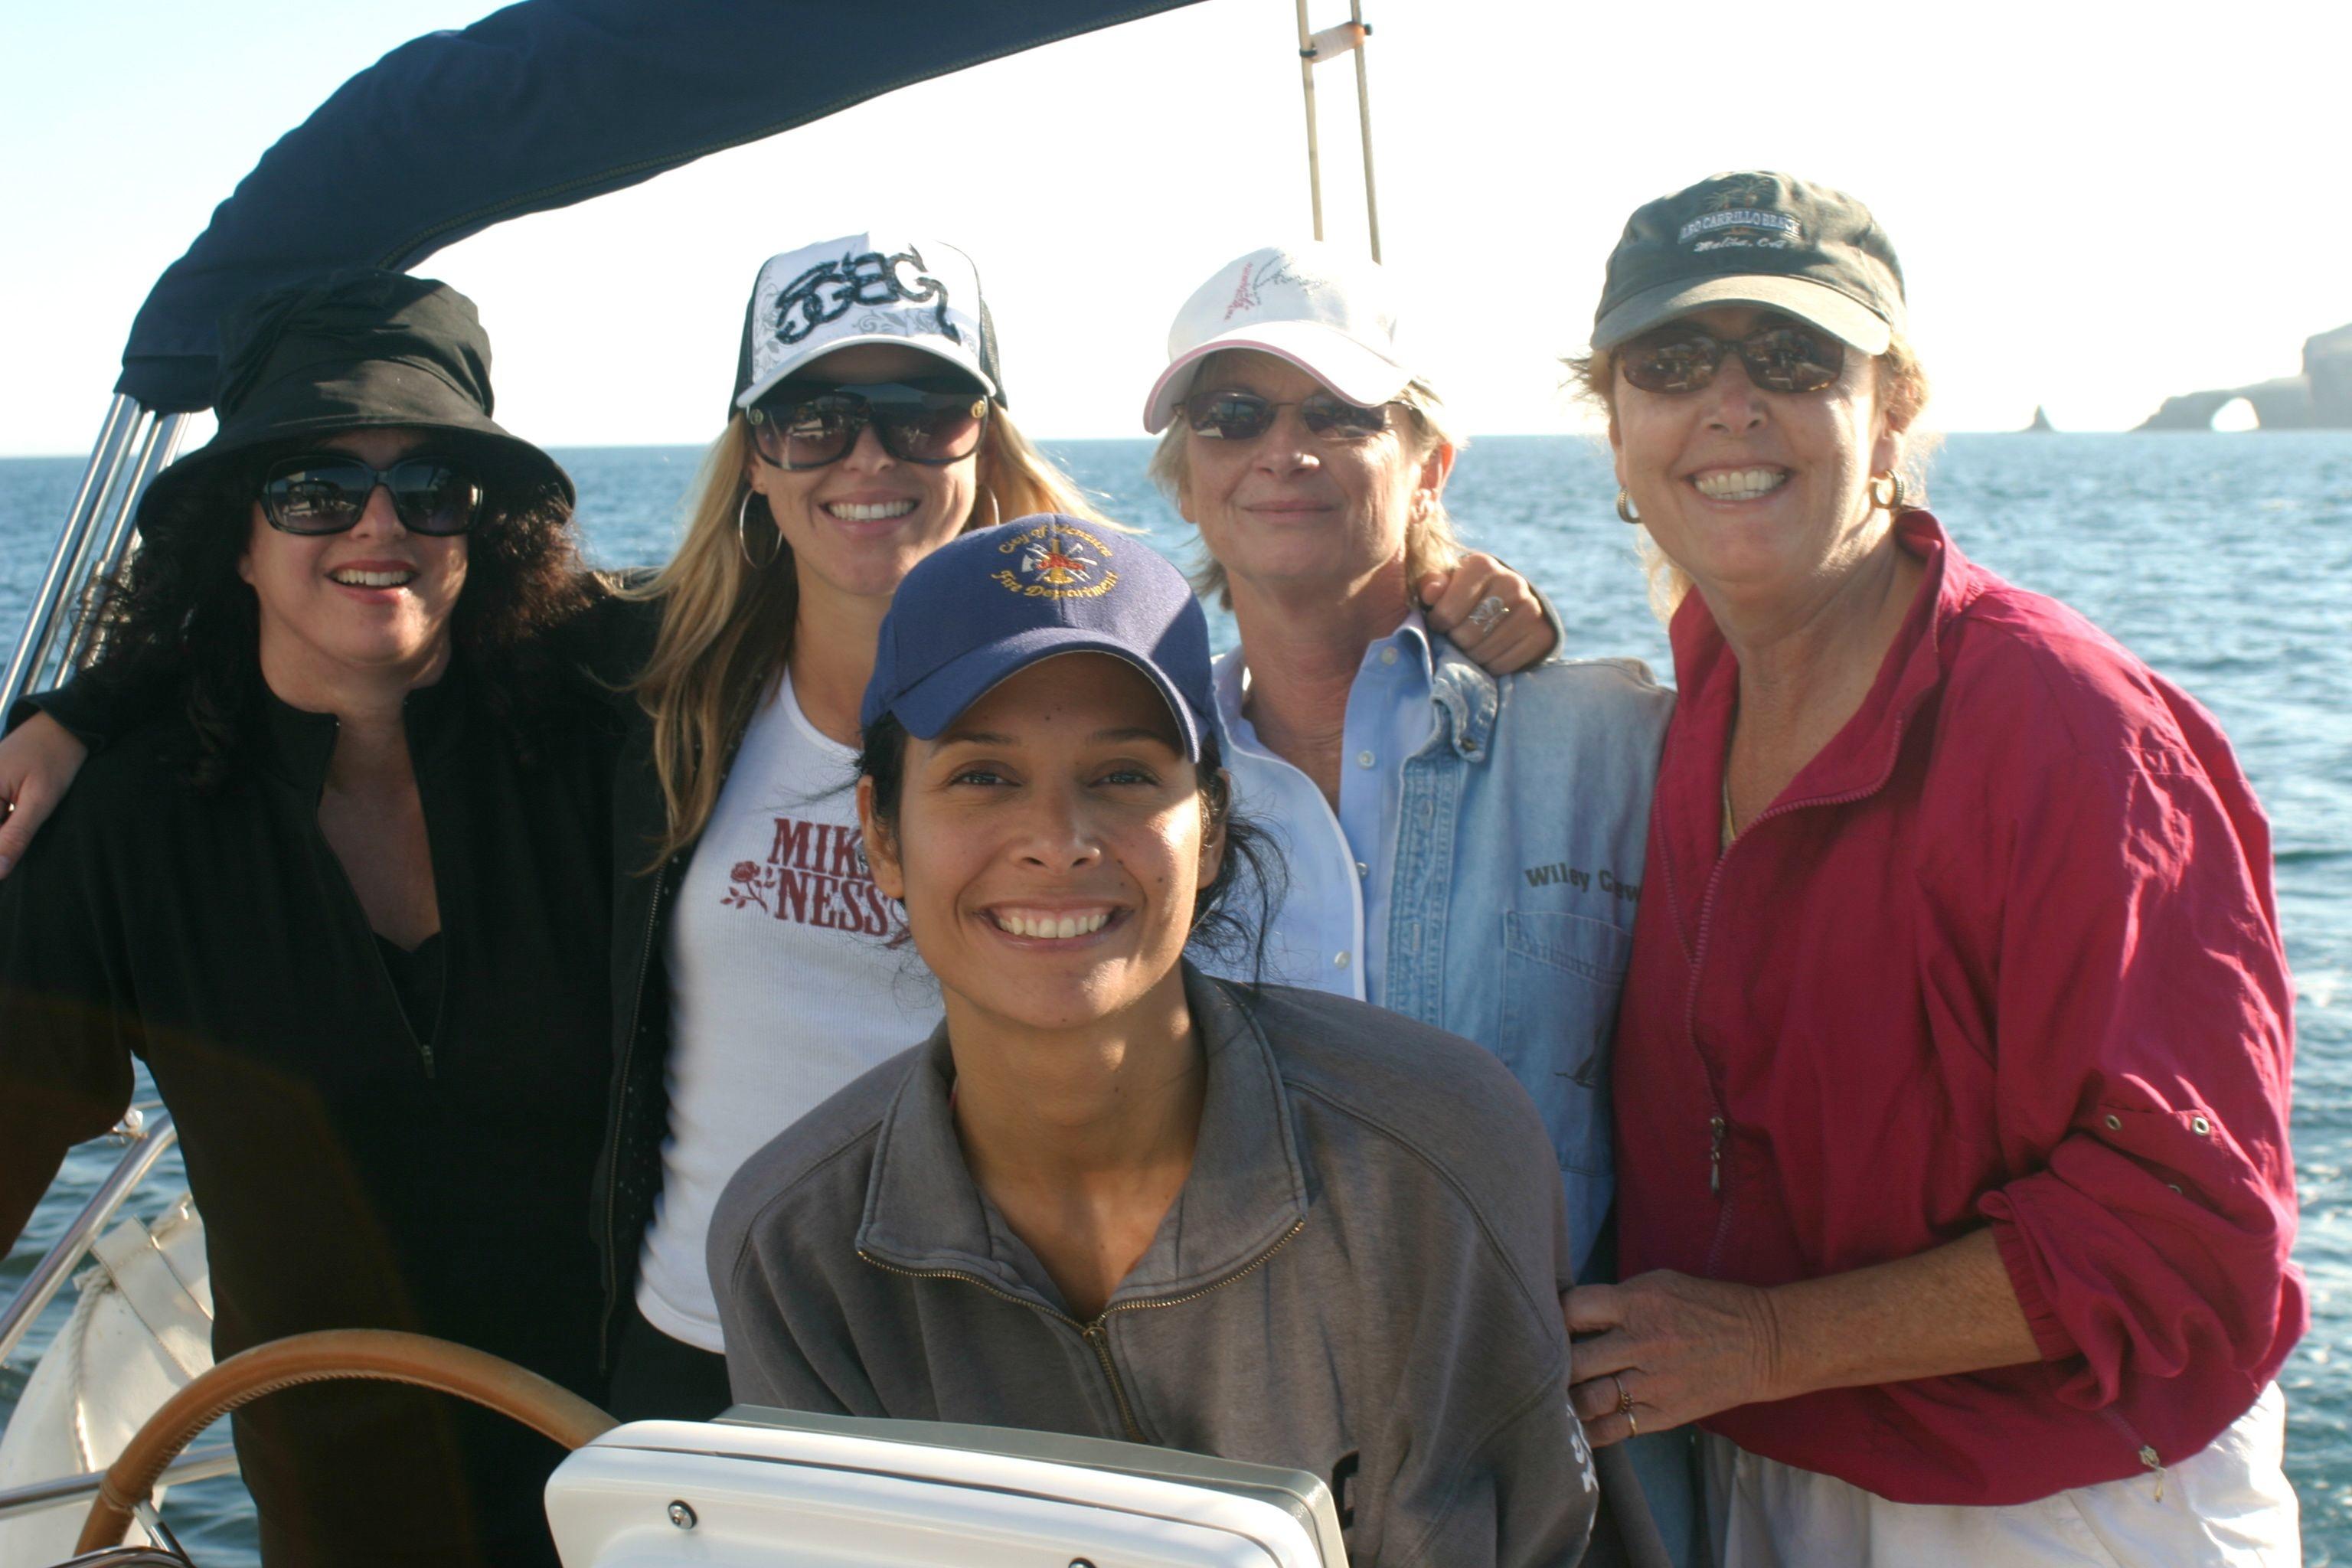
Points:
(1111, 1195)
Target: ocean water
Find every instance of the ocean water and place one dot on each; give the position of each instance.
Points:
(2224, 560)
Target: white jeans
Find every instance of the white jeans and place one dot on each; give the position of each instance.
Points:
(2228, 1504)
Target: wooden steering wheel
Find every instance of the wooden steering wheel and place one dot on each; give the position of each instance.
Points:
(377, 1354)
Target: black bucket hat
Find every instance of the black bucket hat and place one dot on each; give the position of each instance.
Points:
(357, 349)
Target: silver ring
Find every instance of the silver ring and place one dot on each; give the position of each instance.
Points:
(1486, 612)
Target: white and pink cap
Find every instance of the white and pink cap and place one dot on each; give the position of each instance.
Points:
(1329, 313)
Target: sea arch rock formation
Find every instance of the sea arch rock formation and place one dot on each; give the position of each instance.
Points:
(2318, 399)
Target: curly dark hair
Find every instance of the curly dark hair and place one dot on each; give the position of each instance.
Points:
(178, 625)
(1231, 915)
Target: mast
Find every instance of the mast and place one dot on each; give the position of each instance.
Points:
(1313, 50)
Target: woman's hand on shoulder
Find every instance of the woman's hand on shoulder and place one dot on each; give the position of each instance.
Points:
(1674, 1347)
(1504, 642)
(37, 764)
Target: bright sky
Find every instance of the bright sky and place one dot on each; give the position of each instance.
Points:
(2095, 206)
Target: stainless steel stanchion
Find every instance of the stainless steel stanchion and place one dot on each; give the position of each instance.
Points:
(105, 459)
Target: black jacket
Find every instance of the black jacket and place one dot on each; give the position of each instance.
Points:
(354, 1170)
(637, 1113)
(613, 641)
(610, 642)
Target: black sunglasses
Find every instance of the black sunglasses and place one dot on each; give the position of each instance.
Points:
(1781, 356)
(807, 424)
(1245, 416)
(326, 492)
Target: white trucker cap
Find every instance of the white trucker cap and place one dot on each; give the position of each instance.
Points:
(864, 289)
(1329, 313)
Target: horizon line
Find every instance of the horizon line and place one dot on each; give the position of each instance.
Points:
(1471, 436)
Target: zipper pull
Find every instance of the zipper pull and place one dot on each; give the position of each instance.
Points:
(2154, 1461)
(1715, 1155)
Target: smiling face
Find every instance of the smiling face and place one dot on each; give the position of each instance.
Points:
(857, 526)
(1050, 845)
(1757, 494)
(1294, 510)
(370, 605)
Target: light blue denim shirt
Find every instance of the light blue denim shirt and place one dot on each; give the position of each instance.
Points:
(1499, 830)
(1333, 934)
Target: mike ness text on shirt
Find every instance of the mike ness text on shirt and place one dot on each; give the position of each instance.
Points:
(816, 874)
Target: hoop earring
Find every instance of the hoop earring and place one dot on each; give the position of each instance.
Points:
(742, 534)
(1892, 501)
(994, 516)
(1625, 512)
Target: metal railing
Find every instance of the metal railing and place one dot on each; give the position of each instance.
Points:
(149, 1132)
(150, 1136)
(201, 1464)
(133, 445)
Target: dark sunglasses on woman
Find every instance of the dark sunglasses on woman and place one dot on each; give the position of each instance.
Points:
(807, 424)
(1245, 416)
(326, 492)
(1781, 356)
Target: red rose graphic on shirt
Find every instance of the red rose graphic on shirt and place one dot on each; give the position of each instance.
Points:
(746, 889)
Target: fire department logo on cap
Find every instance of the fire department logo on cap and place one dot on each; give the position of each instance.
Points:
(1055, 561)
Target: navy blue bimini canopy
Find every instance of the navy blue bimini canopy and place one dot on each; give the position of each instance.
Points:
(541, 105)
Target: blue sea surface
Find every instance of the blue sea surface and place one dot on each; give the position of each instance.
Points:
(2224, 560)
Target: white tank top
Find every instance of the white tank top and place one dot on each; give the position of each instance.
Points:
(782, 988)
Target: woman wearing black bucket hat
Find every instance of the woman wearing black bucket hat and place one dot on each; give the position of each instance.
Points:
(342, 892)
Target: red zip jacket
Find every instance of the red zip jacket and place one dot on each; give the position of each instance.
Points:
(2004, 953)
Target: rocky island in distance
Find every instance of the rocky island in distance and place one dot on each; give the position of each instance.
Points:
(2318, 399)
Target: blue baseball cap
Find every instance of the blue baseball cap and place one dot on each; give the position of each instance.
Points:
(992, 603)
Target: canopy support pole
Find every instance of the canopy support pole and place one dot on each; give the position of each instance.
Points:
(133, 445)
(105, 457)
(1307, 85)
(1364, 114)
(155, 454)
(61, 615)
(1313, 50)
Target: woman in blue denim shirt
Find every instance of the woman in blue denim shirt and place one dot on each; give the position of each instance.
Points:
(1463, 848)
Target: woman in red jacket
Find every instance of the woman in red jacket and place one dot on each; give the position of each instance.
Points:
(1952, 1073)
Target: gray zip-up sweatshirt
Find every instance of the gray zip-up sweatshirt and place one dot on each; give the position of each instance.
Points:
(1360, 1279)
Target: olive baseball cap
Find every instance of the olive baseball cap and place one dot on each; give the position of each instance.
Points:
(1755, 238)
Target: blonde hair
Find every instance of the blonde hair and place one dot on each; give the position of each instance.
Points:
(1903, 387)
(1430, 542)
(726, 628)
